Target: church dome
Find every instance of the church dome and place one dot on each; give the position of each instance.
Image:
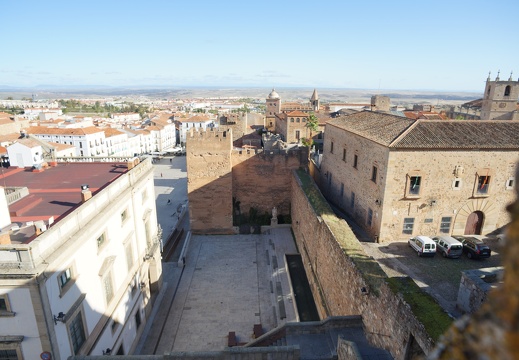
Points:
(273, 95)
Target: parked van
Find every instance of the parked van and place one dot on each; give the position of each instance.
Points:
(448, 246)
(423, 245)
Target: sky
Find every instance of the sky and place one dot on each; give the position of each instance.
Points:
(404, 45)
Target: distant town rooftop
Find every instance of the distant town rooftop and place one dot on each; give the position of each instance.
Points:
(55, 192)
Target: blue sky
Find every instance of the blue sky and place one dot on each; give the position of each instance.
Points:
(415, 45)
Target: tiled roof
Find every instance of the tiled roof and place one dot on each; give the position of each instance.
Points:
(378, 127)
(43, 130)
(112, 132)
(402, 133)
(30, 143)
(60, 147)
(460, 134)
(5, 118)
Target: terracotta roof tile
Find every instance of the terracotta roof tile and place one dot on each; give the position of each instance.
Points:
(297, 113)
(42, 130)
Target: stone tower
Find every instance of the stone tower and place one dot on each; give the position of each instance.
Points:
(500, 99)
(314, 101)
(380, 103)
(273, 108)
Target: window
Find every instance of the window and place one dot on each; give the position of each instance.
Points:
(5, 307)
(414, 185)
(445, 225)
(344, 155)
(291, 119)
(108, 287)
(124, 215)
(9, 354)
(507, 90)
(101, 240)
(81, 145)
(355, 160)
(352, 200)
(374, 174)
(297, 135)
(456, 184)
(77, 332)
(65, 277)
(129, 254)
(369, 220)
(331, 147)
(510, 183)
(408, 226)
(298, 120)
(483, 184)
(342, 190)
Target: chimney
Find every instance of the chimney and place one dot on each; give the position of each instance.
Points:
(86, 194)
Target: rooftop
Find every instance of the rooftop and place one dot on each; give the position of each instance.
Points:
(57, 190)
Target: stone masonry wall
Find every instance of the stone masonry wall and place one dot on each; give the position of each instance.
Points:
(336, 283)
(209, 183)
(262, 180)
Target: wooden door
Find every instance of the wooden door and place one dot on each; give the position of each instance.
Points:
(474, 223)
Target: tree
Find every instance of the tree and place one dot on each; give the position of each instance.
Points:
(312, 123)
(9, 98)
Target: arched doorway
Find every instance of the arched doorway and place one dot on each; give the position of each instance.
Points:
(474, 223)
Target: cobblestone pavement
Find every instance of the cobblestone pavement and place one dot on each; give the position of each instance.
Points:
(439, 276)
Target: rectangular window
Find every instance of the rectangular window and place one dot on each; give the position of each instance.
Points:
(456, 184)
(374, 174)
(342, 190)
(510, 183)
(77, 332)
(445, 225)
(408, 226)
(81, 145)
(124, 215)
(369, 220)
(352, 200)
(298, 135)
(344, 155)
(8, 354)
(108, 287)
(414, 185)
(331, 147)
(129, 255)
(101, 240)
(64, 278)
(5, 306)
(483, 184)
(355, 160)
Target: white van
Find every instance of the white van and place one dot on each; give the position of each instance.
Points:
(423, 245)
(448, 246)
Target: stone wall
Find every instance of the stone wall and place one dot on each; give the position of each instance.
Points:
(209, 182)
(217, 174)
(262, 179)
(338, 284)
(475, 285)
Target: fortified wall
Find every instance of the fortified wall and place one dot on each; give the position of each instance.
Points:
(209, 182)
(345, 281)
(217, 174)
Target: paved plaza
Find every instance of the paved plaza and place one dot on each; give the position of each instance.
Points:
(224, 286)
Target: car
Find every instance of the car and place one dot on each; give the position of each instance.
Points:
(423, 245)
(448, 246)
(474, 248)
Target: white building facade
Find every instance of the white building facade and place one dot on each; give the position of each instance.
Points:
(85, 285)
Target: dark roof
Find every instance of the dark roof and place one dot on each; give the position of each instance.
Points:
(402, 133)
(378, 127)
(56, 191)
(461, 134)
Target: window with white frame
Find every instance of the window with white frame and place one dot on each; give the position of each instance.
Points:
(66, 279)
(510, 183)
(483, 184)
(456, 184)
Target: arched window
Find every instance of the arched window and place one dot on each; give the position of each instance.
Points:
(507, 90)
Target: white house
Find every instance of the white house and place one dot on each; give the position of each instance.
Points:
(89, 141)
(25, 153)
(197, 122)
